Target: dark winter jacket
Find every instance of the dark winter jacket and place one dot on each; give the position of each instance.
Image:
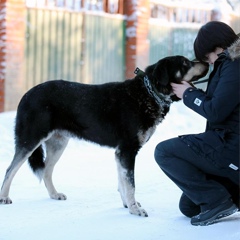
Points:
(220, 105)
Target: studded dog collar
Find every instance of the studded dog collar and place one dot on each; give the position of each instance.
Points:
(160, 99)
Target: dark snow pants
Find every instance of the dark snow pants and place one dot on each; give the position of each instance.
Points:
(192, 174)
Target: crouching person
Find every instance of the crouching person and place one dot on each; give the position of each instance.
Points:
(205, 166)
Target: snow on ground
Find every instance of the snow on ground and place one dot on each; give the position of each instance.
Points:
(87, 174)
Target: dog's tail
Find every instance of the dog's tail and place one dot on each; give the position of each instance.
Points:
(36, 162)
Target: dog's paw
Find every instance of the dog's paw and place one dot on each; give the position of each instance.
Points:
(5, 200)
(137, 210)
(59, 196)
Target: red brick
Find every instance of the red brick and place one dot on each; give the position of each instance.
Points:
(136, 43)
(12, 53)
(2, 52)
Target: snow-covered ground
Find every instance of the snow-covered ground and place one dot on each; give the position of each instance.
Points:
(87, 174)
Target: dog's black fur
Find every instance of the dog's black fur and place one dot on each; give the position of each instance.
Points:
(121, 115)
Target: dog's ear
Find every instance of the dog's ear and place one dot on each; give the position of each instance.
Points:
(160, 73)
(149, 70)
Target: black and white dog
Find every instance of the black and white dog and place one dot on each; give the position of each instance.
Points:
(121, 115)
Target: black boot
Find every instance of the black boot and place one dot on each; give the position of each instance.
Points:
(211, 216)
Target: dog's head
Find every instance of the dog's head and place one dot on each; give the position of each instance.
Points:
(174, 69)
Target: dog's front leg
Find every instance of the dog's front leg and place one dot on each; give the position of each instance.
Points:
(126, 188)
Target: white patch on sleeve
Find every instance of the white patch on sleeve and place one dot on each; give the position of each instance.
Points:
(197, 101)
(233, 167)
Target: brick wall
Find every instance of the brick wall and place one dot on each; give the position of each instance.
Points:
(15, 23)
(2, 51)
(12, 53)
(137, 45)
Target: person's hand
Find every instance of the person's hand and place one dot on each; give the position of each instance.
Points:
(179, 89)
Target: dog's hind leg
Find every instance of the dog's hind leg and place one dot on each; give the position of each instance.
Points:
(19, 158)
(126, 185)
(54, 149)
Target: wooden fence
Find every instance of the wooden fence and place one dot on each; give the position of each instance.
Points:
(73, 45)
(89, 46)
(170, 39)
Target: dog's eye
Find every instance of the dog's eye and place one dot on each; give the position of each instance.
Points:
(185, 63)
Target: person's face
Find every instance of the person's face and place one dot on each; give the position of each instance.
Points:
(213, 56)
